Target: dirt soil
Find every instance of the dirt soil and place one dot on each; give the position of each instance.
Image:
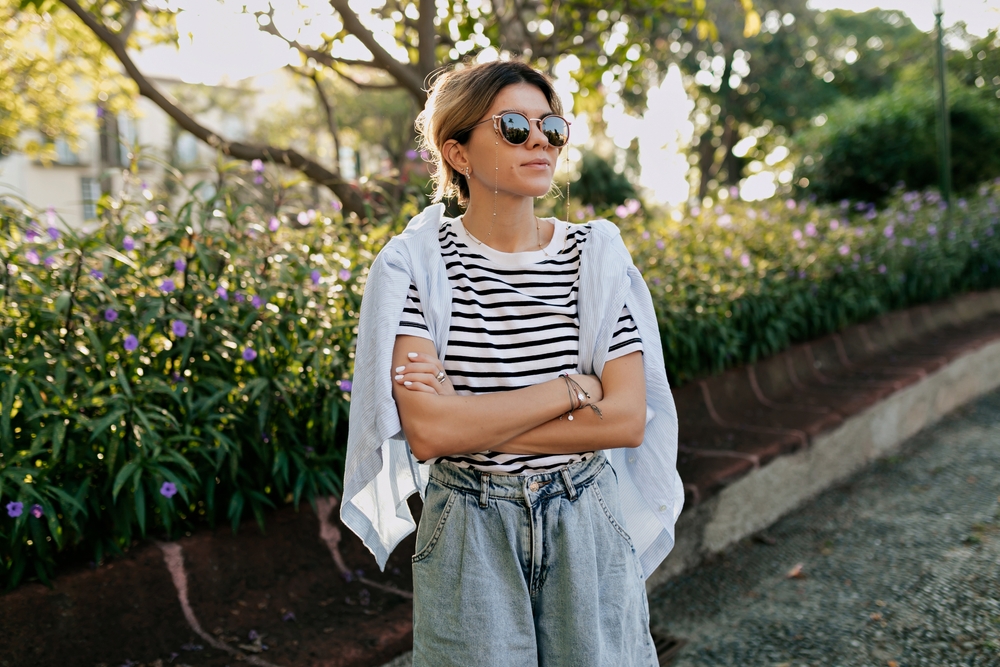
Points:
(281, 590)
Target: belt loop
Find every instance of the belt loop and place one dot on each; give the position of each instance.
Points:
(484, 494)
(568, 481)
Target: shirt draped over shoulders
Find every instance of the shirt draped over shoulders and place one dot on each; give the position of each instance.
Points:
(381, 472)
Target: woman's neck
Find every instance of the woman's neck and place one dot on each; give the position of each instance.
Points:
(514, 228)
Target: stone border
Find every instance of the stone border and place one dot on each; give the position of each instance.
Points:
(766, 493)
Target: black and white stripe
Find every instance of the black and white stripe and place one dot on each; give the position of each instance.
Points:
(514, 324)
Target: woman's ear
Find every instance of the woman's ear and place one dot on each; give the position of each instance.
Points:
(454, 154)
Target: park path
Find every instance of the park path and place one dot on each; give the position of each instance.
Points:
(899, 566)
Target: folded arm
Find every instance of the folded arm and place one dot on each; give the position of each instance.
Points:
(622, 424)
(439, 422)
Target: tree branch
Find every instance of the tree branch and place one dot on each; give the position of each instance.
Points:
(425, 37)
(402, 72)
(349, 196)
(331, 119)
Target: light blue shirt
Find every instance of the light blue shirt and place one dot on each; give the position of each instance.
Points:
(380, 472)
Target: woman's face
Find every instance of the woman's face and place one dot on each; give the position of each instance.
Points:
(524, 170)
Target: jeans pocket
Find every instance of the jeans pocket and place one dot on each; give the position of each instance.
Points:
(610, 506)
(438, 502)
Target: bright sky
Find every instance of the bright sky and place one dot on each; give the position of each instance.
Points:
(210, 54)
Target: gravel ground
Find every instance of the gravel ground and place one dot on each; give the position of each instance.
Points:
(899, 566)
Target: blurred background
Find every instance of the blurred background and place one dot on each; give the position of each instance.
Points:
(192, 193)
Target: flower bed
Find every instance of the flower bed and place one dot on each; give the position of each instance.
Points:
(189, 366)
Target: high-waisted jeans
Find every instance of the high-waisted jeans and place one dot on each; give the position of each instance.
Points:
(524, 571)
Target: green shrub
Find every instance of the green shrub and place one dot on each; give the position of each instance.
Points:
(203, 351)
(738, 283)
(866, 148)
(99, 435)
(599, 184)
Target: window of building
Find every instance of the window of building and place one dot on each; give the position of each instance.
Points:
(64, 153)
(91, 192)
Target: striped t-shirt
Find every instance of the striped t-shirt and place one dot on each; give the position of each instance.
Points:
(514, 323)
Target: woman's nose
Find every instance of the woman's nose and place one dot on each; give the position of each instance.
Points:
(536, 137)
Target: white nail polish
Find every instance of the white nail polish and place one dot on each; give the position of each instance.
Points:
(399, 377)
(412, 355)
(399, 369)
(407, 383)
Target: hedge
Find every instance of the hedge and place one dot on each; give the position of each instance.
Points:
(178, 367)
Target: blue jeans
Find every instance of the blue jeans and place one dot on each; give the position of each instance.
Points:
(523, 571)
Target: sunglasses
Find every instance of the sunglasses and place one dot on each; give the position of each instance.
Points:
(515, 127)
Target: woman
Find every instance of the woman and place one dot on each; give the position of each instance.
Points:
(509, 368)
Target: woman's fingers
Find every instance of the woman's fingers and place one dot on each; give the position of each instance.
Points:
(430, 369)
(419, 386)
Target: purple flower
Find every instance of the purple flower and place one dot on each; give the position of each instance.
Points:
(239, 297)
(303, 218)
(255, 301)
(96, 275)
(632, 205)
(645, 235)
(167, 286)
(871, 214)
(728, 252)
(411, 154)
(253, 635)
(249, 354)
(315, 277)
(345, 385)
(881, 268)
(131, 342)
(31, 235)
(258, 179)
(424, 155)
(810, 229)
(660, 244)
(932, 230)
(790, 204)
(336, 205)
(844, 249)
(37, 511)
(797, 234)
(14, 509)
(31, 256)
(180, 265)
(288, 616)
(274, 224)
(344, 274)
(168, 489)
(50, 215)
(257, 165)
(621, 211)
(221, 292)
(53, 233)
(150, 217)
(179, 328)
(110, 315)
(889, 231)
(834, 224)
(49, 261)
(128, 243)
(745, 260)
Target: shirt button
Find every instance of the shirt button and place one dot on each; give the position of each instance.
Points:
(663, 508)
(533, 486)
(631, 459)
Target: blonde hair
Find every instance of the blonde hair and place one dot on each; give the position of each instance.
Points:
(457, 99)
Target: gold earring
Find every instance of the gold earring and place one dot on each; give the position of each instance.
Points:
(466, 173)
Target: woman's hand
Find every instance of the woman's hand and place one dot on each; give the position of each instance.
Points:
(420, 373)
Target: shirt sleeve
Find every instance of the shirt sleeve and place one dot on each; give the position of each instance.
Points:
(411, 322)
(626, 338)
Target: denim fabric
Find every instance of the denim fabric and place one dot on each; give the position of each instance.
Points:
(518, 571)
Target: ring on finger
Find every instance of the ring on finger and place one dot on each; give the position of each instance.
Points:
(440, 377)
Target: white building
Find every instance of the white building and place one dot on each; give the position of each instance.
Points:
(74, 182)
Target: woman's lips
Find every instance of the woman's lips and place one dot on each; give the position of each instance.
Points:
(537, 164)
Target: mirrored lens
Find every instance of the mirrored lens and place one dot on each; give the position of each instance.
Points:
(555, 130)
(515, 128)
